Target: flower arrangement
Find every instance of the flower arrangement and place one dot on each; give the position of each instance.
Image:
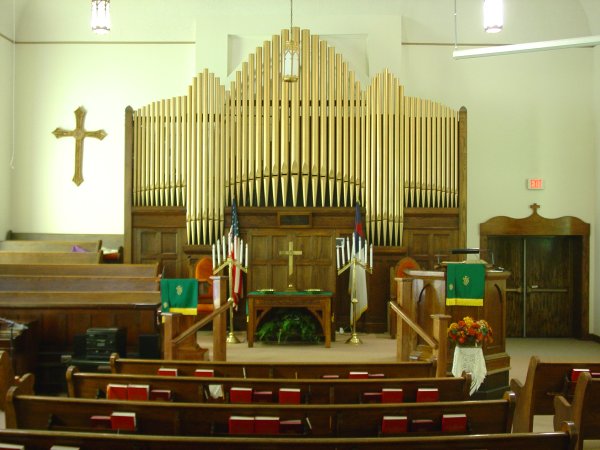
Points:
(470, 332)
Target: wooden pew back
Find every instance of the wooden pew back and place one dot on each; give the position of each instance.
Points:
(91, 270)
(315, 391)
(544, 381)
(583, 411)
(205, 419)
(42, 440)
(77, 283)
(10, 257)
(411, 369)
(23, 245)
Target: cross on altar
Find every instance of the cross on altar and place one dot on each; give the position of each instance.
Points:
(79, 133)
(290, 252)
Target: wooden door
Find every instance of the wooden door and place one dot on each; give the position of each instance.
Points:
(540, 293)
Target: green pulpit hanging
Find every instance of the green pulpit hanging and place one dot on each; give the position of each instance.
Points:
(179, 295)
(465, 284)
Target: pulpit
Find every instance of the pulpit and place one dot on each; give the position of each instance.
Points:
(423, 293)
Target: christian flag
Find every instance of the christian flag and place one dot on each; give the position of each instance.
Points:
(234, 253)
(179, 295)
(361, 276)
(465, 284)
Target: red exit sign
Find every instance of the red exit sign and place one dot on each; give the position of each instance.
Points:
(535, 183)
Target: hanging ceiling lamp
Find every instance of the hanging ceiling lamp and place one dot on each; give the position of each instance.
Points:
(291, 53)
(100, 16)
(493, 16)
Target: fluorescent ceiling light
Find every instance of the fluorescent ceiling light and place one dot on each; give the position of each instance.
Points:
(493, 16)
(589, 41)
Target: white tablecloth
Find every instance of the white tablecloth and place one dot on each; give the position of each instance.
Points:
(470, 359)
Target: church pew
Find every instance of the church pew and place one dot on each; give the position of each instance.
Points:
(583, 411)
(91, 270)
(543, 382)
(25, 245)
(315, 391)
(8, 378)
(62, 315)
(10, 257)
(404, 369)
(42, 440)
(77, 283)
(27, 411)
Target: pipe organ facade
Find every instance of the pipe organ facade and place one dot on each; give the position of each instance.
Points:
(322, 141)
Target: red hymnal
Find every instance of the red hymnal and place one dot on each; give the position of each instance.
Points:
(241, 425)
(266, 425)
(371, 397)
(394, 424)
(116, 391)
(240, 395)
(123, 421)
(204, 373)
(420, 425)
(292, 426)
(262, 396)
(102, 422)
(162, 395)
(289, 396)
(138, 391)
(168, 371)
(576, 372)
(428, 395)
(454, 422)
(358, 375)
(392, 395)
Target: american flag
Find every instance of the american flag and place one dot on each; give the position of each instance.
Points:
(235, 253)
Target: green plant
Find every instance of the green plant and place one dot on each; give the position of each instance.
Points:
(288, 325)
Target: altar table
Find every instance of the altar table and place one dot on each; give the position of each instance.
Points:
(318, 303)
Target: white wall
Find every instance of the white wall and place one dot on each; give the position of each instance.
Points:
(530, 115)
(6, 110)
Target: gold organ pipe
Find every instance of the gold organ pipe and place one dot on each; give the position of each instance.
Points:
(201, 160)
(261, 113)
(229, 143)
(428, 180)
(192, 176)
(345, 135)
(236, 150)
(351, 137)
(378, 156)
(286, 118)
(244, 111)
(210, 160)
(362, 145)
(267, 124)
(323, 141)
(331, 124)
(249, 82)
(305, 142)
(294, 151)
(276, 112)
(399, 126)
(369, 130)
(338, 129)
(385, 153)
(314, 118)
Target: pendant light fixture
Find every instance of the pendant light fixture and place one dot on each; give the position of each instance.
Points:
(493, 16)
(100, 16)
(291, 53)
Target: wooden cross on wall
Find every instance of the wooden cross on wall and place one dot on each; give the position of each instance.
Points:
(79, 133)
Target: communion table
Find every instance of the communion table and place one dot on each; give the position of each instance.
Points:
(318, 303)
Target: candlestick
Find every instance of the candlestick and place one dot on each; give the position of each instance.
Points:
(371, 260)
(343, 256)
(213, 256)
(348, 247)
(246, 258)
(337, 257)
(224, 253)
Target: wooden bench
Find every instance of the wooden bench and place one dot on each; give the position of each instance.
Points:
(28, 411)
(404, 369)
(42, 440)
(77, 283)
(8, 378)
(43, 246)
(583, 411)
(543, 382)
(11, 257)
(316, 391)
(92, 270)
